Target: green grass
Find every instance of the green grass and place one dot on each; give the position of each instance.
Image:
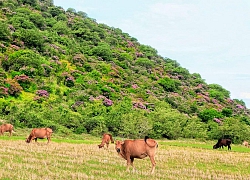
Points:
(66, 158)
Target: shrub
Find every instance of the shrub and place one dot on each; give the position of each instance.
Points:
(24, 81)
(4, 31)
(168, 84)
(24, 60)
(144, 62)
(194, 128)
(227, 112)
(103, 51)
(14, 87)
(209, 114)
(107, 102)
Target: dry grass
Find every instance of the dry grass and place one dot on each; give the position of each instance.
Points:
(19, 160)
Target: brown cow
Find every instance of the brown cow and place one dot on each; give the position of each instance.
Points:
(223, 142)
(139, 148)
(106, 138)
(245, 143)
(6, 128)
(40, 133)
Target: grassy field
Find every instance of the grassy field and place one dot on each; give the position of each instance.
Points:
(82, 159)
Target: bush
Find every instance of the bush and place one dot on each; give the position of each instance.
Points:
(194, 128)
(144, 62)
(4, 32)
(103, 51)
(209, 114)
(168, 84)
(24, 60)
(234, 129)
(135, 125)
(167, 122)
(14, 87)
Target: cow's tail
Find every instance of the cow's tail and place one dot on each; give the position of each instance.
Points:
(145, 139)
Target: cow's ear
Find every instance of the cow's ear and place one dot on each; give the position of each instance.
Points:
(122, 142)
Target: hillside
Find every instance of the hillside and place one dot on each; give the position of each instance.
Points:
(62, 69)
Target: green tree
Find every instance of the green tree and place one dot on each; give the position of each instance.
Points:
(168, 84)
(37, 19)
(61, 28)
(235, 130)
(4, 32)
(103, 51)
(144, 62)
(32, 38)
(209, 114)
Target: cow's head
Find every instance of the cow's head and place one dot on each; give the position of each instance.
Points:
(100, 145)
(28, 139)
(215, 146)
(118, 146)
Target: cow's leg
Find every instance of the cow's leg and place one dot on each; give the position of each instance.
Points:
(229, 147)
(152, 159)
(128, 162)
(107, 145)
(10, 133)
(132, 164)
(48, 140)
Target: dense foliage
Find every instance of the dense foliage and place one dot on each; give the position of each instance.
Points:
(64, 70)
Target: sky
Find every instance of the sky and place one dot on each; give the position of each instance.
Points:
(211, 38)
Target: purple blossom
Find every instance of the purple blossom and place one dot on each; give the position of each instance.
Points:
(42, 93)
(91, 98)
(107, 102)
(240, 106)
(214, 101)
(22, 78)
(230, 100)
(71, 78)
(206, 98)
(2, 45)
(139, 54)
(148, 91)
(139, 105)
(15, 47)
(3, 91)
(200, 86)
(135, 86)
(218, 120)
(77, 104)
(130, 44)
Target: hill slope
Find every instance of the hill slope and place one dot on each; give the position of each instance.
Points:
(64, 70)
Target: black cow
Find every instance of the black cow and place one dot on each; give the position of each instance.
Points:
(223, 142)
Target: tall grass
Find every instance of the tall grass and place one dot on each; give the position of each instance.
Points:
(82, 159)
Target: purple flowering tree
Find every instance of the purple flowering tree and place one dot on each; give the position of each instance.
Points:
(107, 102)
(3, 91)
(41, 95)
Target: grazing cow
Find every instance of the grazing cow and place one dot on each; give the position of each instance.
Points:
(6, 128)
(223, 142)
(40, 133)
(106, 138)
(245, 143)
(139, 148)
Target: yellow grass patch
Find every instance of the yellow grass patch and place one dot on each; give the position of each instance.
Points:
(19, 160)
